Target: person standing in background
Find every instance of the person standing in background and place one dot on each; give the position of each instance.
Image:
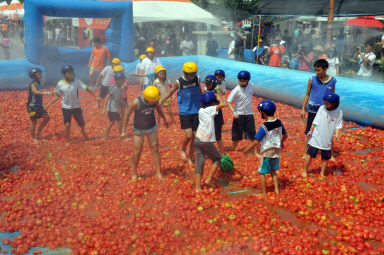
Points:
(366, 60)
(231, 47)
(187, 46)
(334, 63)
(97, 60)
(239, 42)
(148, 65)
(212, 46)
(276, 51)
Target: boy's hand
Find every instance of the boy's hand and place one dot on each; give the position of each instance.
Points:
(258, 155)
(309, 135)
(303, 114)
(123, 134)
(337, 137)
(103, 112)
(235, 115)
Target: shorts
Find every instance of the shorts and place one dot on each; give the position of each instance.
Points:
(36, 112)
(218, 128)
(114, 116)
(189, 121)
(311, 117)
(76, 113)
(312, 151)
(94, 70)
(203, 149)
(103, 91)
(244, 124)
(269, 164)
(140, 132)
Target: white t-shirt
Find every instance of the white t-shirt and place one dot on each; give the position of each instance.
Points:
(149, 67)
(107, 74)
(206, 130)
(187, 46)
(71, 99)
(243, 99)
(326, 122)
(230, 48)
(332, 65)
(140, 70)
(366, 71)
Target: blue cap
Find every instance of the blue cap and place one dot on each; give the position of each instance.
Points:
(244, 75)
(119, 76)
(210, 79)
(267, 105)
(208, 97)
(332, 98)
(32, 73)
(220, 72)
(66, 68)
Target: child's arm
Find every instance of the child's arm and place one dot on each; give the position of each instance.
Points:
(90, 60)
(173, 89)
(334, 87)
(284, 137)
(222, 103)
(53, 101)
(337, 134)
(161, 113)
(106, 103)
(128, 113)
(311, 131)
(235, 115)
(306, 97)
(137, 75)
(253, 144)
(36, 92)
(90, 92)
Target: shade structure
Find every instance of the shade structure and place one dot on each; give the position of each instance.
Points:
(15, 10)
(171, 10)
(364, 21)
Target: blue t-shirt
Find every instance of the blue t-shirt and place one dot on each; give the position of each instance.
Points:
(318, 91)
(188, 96)
(151, 77)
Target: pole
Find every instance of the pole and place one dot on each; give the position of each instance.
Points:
(258, 41)
(331, 14)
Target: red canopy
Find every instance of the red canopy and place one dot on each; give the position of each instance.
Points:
(364, 21)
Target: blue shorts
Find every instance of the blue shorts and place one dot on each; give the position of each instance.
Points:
(268, 165)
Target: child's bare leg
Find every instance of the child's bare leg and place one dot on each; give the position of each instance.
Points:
(198, 183)
(275, 181)
(153, 141)
(186, 140)
(108, 129)
(32, 129)
(170, 112)
(305, 148)
(324, 164)
(221, 147)
(91, 80)
(263, 185)
(212, 173)
(234, 145)
(307, 161)
(138, 141)
(191, 148)
(67, 129)
(42, 125)
(84, 133)
(99, 99)
(119, 126)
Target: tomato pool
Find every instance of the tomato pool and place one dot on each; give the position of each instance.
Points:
(81, 198)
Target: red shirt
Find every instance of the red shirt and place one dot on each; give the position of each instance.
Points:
(276, 55)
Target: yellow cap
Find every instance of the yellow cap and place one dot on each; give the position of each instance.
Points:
(190, 67)
(151, 94)
(159, 68)
(143, 56)
(150, 49)
(116, 61)
(118, 69)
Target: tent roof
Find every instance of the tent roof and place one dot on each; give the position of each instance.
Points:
(320, 7)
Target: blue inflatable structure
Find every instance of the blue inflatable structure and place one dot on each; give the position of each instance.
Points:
(361, 101)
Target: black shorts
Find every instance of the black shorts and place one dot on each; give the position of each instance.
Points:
(114, 116)
(76, 113)
(311, 117)
(218, 128)
(244, 124)
(103, 91)
(189, 121)
(312, 151)
(36, 112)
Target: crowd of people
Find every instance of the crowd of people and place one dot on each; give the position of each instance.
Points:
(200, 108)
(10, 29)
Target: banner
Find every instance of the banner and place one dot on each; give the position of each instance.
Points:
(96, 23)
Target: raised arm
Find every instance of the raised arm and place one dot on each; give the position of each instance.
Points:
(131, 108)
(306, 98)
(161, 113)
(170, 92)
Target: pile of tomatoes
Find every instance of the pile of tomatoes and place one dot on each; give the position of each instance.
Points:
(82, 197)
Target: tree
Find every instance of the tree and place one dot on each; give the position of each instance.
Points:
(234, 10)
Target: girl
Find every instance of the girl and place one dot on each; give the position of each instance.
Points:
(123, 105)
(163, 85)
(35, 104)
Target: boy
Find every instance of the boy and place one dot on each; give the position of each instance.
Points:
(70, 104)
(318, 86)
(243, 120)
(328, 119)
(105, 77)
(35, 107)
(97, 59)
(144, 124)
(220, 76)
(271, 137)
(114, 99)
(205, 137)
(188, 99)
(148, 64)
(163, 85)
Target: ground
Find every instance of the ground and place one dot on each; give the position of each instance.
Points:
(81, 196)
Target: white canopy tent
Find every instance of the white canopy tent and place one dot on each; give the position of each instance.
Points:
(171, 10)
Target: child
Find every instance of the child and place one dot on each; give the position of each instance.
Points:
(243, 120)
(151, 77)
(205, 137)
(97, 59)
(123, 105)
(220, 76)
(188, 98)
(271, 137)
(328, 119)
(318, 86)
(140, 68)
(105, 77)
(211, 85)
(163, 85)
(35, 104)
(144, 124)
(334, 63)
(114, 99)
(70, 104)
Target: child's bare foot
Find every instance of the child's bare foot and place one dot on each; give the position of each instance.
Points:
(189, 161)
(160, 176)
(198, 190)
(35, 141)
(332, 159)
(209, 183)
(134, 177)
(183, 156)
(304, 156)
(304, 173)
(67, 143)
